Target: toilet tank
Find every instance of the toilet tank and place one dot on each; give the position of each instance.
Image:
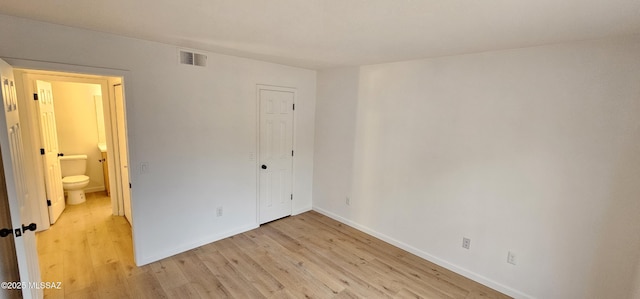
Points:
(73, 165)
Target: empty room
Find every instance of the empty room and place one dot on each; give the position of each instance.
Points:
(320, 149)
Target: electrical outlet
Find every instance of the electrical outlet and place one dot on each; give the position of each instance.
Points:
(511, 258)
(348, 201)
(219, 211)
(466, 243)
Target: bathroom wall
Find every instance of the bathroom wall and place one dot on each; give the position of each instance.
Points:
(77, 126)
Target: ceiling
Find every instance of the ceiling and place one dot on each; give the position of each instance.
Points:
(321, 34)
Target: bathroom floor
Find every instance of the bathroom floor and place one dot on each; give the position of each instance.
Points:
(88, 249)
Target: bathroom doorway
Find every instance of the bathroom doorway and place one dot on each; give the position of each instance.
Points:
(90, 120)
(93, 237)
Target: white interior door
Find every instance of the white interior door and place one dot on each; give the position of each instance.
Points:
(275, 154)
(17, 191)
(8, 260)
(50, 151)
(122, 146)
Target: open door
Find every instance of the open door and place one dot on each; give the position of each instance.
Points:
(8, 260)
(50, 152)
(17, 192)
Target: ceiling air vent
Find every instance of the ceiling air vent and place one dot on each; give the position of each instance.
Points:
(192, 58)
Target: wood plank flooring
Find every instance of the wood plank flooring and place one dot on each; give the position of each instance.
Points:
(303, 256)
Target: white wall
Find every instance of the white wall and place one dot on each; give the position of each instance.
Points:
(335, 138)
(194, 126)
(636, 286)
(530, 150)
(77, 126)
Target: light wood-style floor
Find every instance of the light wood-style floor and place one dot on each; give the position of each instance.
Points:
(304, 256)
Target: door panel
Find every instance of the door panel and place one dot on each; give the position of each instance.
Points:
(275, 153)
(8, 259)
(51, 161)
(17, 191)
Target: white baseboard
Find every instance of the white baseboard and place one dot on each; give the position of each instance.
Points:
(300, 211)
(210, 239)
(429, 257)
(204, 241)
(94, 189)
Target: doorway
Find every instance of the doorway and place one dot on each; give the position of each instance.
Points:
(23, 169)
(89, 120)
(99, 114)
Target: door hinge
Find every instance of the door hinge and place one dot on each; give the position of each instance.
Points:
(294, 106)
(291, 153)
(35, 96)
(129, 185)
(48, 203)
(42, 151)
(291, 196)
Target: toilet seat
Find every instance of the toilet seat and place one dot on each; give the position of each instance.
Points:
(75, 182)
(75, 179)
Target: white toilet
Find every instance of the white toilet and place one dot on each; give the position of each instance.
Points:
(74, 180)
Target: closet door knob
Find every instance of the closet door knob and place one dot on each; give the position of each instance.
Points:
(264, 166)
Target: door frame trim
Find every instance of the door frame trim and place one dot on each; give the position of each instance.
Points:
(293, 90)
